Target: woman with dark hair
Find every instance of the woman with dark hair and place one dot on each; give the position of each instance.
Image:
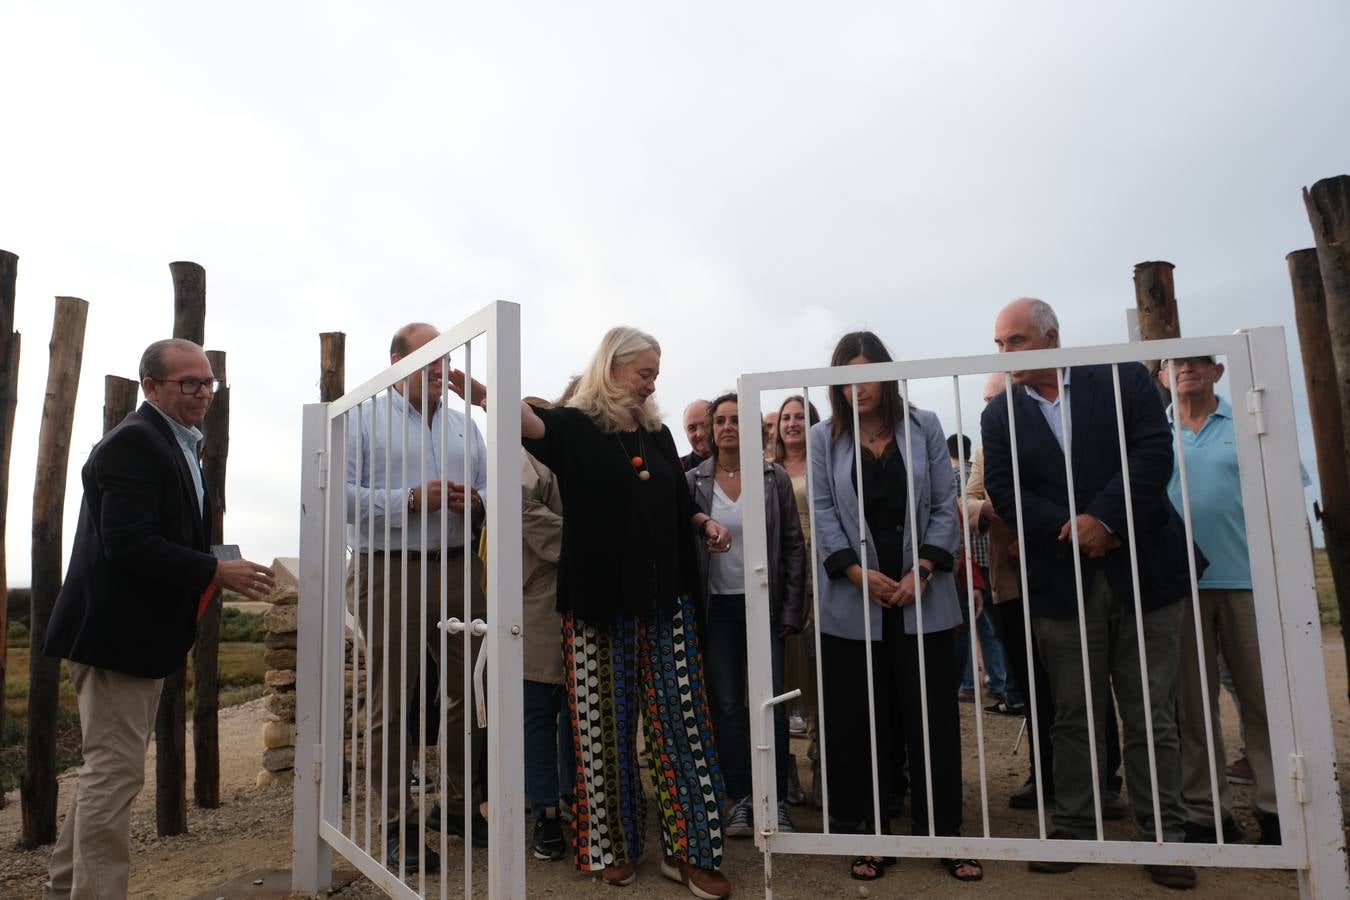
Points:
(716, 483)
(627, 574)
(905, 478)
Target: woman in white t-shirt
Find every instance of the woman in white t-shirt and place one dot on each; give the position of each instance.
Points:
(716, 484)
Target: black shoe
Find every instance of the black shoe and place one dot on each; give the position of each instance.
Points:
(409, 835)
(1205, 834)
(548, 837)
(1270, 829)
(1025, 796)
(1054, 867)
(455, 825)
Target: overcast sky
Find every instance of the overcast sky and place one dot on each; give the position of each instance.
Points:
(747, 181)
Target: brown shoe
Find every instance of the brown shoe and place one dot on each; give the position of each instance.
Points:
(619, 874)
(709, 884)
(1054, 867)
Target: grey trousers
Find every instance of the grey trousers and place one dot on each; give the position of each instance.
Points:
(92, 859)
(391, 760)
(1227, 623)
(1113, 660)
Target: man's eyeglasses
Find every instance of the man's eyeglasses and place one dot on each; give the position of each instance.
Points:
(191, 386)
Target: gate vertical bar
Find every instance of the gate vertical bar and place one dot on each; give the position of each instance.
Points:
(1313, 762)
(311, 858)
(333, 656)
(505, 696)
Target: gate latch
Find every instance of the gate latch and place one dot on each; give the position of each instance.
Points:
(1256, 407)
(1296, 773)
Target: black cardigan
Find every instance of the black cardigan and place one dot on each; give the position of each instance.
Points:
(627, 544)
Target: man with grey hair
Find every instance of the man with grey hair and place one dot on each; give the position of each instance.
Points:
(141, 571)
(396, 494)
(1074, 414)
(696, 429)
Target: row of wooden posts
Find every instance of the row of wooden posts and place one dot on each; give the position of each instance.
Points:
(1320, 278)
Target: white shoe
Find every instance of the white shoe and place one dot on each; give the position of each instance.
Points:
(796, 724)
(740, 820)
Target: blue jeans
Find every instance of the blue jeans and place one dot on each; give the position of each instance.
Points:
(724, 662)
(991, 646)
(549, 769)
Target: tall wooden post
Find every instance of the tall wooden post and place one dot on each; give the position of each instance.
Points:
(332, 365)
(9, 396)
(1156, 300)
(189, 323)
(49, 491)
(206, 655)
(1324, 405)
(1328, 204)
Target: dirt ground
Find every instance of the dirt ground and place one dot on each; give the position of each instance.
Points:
(252, 832)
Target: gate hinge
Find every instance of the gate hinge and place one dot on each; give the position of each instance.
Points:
(1256, 407)
(321, 463)
(1300, 781)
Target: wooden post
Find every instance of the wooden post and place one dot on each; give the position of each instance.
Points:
(205, 655)
(1155, 299)
(119, 400)
(49, 492)
(9, 396)
(1324, 405)
(189, 323)
(332, 365)
(1328, 204)
(189, 301)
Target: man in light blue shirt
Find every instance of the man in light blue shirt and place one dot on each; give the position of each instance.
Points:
(1227, 610)
(406, 513)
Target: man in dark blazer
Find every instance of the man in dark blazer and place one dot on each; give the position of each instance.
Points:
(1091, 437)
(127, 612)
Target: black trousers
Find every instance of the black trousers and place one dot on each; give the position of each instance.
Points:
(1014, 632)
(895, 661)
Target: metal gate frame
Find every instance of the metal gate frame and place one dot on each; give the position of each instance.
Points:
(1288, 623)
(319, 677)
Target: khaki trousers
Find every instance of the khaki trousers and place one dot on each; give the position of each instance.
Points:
(391, 760)
(92, 859)
(1228, 624)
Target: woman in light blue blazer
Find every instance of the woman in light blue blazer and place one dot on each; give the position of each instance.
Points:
(893, 466)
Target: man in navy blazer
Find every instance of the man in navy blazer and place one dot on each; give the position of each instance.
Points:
(1092, 438)
(127, 612)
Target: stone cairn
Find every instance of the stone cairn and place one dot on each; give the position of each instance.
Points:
(281, 621)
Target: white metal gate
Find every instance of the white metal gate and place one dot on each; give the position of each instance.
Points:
(1288, 626)
(335, 557)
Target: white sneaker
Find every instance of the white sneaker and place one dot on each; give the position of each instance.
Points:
(740, 820)
(784, 820)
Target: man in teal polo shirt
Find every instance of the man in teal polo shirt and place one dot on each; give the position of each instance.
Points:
(1227, 610)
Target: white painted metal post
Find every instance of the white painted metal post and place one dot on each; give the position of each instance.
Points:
(311, 858)
(506, 728)
(1312, 765)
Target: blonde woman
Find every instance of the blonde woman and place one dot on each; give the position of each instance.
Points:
(626, 580)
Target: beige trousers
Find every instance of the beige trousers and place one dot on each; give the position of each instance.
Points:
(1228, 624)
(392, 760)
(92, 859)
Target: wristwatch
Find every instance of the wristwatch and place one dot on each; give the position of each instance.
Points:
(925, 573)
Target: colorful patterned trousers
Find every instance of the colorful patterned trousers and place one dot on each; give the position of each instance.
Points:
(620, 672)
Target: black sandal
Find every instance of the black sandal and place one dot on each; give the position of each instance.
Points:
(875, 865)
(953, 867)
